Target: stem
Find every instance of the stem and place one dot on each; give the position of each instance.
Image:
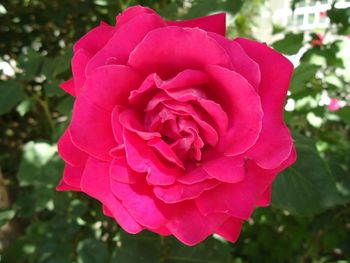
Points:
(45, 106)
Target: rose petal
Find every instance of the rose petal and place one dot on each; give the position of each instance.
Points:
(265, 198)
(241, 62)
(68, 86)
(177, 50)
(130, 120)
(275, 141)
(197, 175)
(242, 104)
(237, 200)
(138, 200)
(214, 23)
(179, 192)
(131, 12)
(165, 151)
(226, 169)
(142, 159)
(69, 152)
(96, 183)
(71, 178)
(79, 62)
(190, 226)
(125, 39)
(91, 129)
(95, 39)
(231, 229)
(120, 172)
(110, 85)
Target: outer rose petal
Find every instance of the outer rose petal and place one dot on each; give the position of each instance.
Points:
(95, 182)
(110, 85)
(68, 86)
(265, 198)
(226, 169)
(125, 38)
(231, 229)
(241, 62)
(79, 62)
(95, 39)
(177, 50)
(214, 23)
(242, 104)
(91, 129)
(239, 200)
(141, 203)
(275, 141)
(190, 226)
(69, 152)
(71, 178)
(131, 12)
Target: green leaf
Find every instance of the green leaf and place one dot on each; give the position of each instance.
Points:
(308, 187)
(40, 165)
(6, 215)
(303, 74)
(11, 94)
(92, 251)
(290, 44)
(344, 114)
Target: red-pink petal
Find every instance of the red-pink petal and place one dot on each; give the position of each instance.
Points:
(265, 198)
(91, 129)
(79, 61)
(125, 39)
(241, 62)
(142, 159)
(190, 226)
(131, 12)
(71, 179)
(96, 183)
(69, 152)
(110, 85)
(225, 169)
(120, 172)
(179, 192)
(275, 141)
(68, 86)
(214, 23)
(177, 50)
(139, 201)
(242, 104)
(231, 229)
(95, 39)
(197, 175)
(237, 200)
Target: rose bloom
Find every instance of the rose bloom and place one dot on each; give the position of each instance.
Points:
(175, 128)
(334, 104)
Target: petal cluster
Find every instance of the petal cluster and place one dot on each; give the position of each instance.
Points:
(175, 128)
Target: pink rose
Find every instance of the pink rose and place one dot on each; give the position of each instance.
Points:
(175, 128)
(334, 105)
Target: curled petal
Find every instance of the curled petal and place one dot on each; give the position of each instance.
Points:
(125, 38)
(95, 39)
(201, 227)
(79, 62)
(142, 159)
(226, 169)
(179, 192)
(231, 229)
(68, 86)
(242, 104)
(214, 23)
(177, 50)
(96, 183)
(275, 141)
(69, 152)
(91, 129)
(140, 203)
(71, 178)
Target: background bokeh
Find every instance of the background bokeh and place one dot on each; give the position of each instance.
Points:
(309, 220)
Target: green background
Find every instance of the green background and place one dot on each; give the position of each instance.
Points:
(309, 220)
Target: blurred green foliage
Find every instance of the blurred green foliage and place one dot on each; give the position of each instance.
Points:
(310, 217)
